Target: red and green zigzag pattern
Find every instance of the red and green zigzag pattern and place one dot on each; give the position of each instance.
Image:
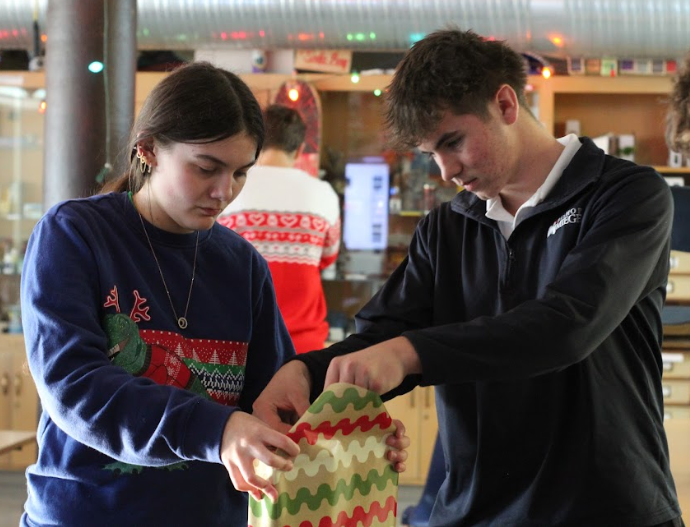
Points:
(341, 476)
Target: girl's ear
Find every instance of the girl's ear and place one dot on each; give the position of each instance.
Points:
(146, 149)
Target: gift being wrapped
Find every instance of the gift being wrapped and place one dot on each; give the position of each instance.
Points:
(341, 476)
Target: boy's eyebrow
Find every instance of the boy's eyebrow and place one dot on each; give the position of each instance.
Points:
(441, 140)
(444, 138)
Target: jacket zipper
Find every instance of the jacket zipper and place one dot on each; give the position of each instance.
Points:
(509, 267)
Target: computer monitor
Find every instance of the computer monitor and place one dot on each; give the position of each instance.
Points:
(365, 212)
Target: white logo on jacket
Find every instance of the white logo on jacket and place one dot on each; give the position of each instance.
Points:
(574, 215)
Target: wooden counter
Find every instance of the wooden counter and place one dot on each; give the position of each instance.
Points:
(14, 440)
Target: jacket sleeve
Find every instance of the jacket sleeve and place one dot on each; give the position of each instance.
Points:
(131, 419)
(620, 262)
(387, 315)
(617, 271)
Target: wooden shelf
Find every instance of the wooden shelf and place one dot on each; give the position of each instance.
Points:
(672, 170)
(23, 79)
(409, 213)
(594, 84)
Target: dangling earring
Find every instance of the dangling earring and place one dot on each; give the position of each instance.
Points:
(143, 164)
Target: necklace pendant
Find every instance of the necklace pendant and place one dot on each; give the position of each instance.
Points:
(181, 321)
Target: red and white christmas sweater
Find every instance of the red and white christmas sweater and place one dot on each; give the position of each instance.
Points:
(293, 219)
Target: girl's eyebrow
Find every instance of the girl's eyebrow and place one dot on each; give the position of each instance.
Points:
(214, 159)
(211, 158)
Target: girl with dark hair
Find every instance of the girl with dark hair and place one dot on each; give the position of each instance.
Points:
(133, 294)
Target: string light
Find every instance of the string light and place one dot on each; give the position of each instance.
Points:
(360, 37)
(557, 41)
(354, 78)
(377, 92)
(414, 37)
(96, 67)
(293, 94)
(546, 72)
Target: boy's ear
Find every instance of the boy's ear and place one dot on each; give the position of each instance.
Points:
(508, 104)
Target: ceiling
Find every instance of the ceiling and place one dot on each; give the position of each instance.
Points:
(618, 28)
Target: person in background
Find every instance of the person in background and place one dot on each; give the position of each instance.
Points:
(148, 359)
(531, 302)
(678, 117)
(293, 219)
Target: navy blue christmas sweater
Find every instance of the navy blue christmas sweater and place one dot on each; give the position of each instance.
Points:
(133, 408)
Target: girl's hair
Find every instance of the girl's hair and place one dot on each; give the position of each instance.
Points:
(196, 103)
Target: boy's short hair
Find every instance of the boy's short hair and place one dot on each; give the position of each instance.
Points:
(451, 70)
(285, 129)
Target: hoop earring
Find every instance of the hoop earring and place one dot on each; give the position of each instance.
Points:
(143, 164)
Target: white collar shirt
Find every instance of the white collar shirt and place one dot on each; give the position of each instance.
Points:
(505, 220)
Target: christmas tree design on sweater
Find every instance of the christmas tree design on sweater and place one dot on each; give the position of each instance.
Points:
(341, 476)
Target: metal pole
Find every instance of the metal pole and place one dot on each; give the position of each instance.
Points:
(120, 76)
(75, 130)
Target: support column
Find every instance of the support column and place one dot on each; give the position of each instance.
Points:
(120, 70)
(75, 130)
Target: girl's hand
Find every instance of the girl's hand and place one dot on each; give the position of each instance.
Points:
(399, 444)
(247, 438)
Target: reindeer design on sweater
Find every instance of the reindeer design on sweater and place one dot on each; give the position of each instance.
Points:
(128, 350)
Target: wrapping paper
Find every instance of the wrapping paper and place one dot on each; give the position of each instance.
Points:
(341, 476)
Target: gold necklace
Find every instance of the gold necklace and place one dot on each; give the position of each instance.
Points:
(181, 321)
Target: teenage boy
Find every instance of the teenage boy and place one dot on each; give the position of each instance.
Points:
(531, 301)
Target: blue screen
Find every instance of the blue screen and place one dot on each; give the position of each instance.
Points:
(366, 206)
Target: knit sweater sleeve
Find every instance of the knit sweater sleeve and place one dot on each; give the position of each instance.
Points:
(269, 334)
(131, 419)
(331, 245)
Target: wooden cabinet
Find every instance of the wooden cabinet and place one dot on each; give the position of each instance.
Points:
(417, 411)
(678, 286)
(676, 382)
(18, 399)
(676, 345)
(621, 105)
